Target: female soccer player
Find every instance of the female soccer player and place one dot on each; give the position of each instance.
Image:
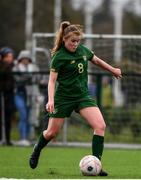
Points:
(69, 66)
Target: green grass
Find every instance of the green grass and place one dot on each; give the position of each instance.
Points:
(62, 163)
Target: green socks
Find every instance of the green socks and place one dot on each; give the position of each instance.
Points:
(42, 142)
(97, 146)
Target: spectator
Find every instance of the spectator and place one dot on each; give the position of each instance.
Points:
(6, 94)
(25, 95)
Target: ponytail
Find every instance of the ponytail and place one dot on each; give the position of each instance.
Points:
(59, 36)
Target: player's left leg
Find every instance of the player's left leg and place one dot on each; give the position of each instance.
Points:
(94, 117)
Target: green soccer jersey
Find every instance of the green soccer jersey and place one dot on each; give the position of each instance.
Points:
(72, 71)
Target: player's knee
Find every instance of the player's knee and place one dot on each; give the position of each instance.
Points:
(50, 134)
(103, 126)
(100, 127)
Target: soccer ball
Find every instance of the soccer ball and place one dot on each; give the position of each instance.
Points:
(90, 165)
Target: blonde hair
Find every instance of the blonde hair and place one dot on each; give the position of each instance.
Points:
(66, 30)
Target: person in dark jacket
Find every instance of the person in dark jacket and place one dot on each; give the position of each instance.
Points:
(6, 94)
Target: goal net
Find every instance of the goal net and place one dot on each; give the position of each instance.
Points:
(119, 100)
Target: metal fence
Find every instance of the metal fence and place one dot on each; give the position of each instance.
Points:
(119, 101)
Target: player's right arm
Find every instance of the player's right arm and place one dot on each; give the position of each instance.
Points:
(51, 90)
(99, 62)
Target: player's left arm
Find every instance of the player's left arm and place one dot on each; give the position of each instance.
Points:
(99, 62)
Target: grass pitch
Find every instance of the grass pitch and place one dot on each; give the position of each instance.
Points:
(62, 163)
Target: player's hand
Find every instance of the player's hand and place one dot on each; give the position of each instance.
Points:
(117, 73)
(50, 107)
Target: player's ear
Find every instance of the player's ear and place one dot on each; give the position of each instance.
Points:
(64, 39)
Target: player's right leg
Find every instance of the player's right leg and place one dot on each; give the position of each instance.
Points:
(46, 136)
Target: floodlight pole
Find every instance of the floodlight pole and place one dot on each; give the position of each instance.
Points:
(57, 14)
(88, 19)
(118, 16)
(88, 23)
(28, 24)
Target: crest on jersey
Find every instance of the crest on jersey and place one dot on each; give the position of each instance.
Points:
(72, 62)
(55, 111)
(85, 57)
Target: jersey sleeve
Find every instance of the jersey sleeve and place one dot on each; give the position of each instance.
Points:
(89, 53)
(56, 64)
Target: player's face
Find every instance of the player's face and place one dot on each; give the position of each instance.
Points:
(72, 42)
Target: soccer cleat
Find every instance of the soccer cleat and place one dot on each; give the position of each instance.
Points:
(33, 161)
(103, 173)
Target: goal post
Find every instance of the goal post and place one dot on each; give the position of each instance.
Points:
(115, 96)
